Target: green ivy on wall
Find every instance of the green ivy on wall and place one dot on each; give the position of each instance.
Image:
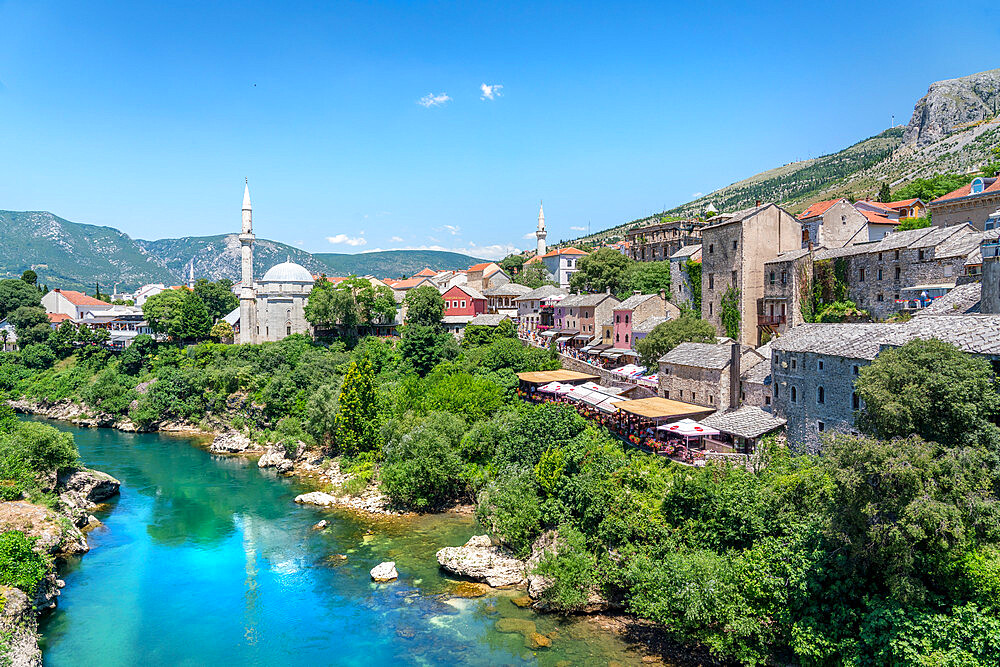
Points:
(693, 271)
(729, 312)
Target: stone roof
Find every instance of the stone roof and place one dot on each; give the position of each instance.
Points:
(488, 320)
(508, 289)
(855, 341)
(542, 292)
(736, 216)
(976, 334)
(953, 241)
(635, 301)
(686, 251)
(962, 300)
(699, 355)
(649, 324)
(586, 300)
(456, 319)
(746, 422)
(789, 256)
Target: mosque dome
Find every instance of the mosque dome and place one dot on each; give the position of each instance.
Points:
(287, 272)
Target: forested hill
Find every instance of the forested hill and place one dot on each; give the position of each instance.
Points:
(75, 255)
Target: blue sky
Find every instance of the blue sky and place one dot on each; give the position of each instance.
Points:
(148, 116)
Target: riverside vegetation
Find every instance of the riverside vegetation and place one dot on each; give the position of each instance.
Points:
(884, 550)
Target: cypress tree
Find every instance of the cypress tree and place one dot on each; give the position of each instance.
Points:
(357, 422)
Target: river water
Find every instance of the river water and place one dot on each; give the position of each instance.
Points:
(205, 559)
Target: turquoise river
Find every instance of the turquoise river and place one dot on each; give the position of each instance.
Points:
(206, 560)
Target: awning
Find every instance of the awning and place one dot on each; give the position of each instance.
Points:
(663, 409)
(548, 334)
(611, 354)
(688, 428)
(608, 404)
(582, 336)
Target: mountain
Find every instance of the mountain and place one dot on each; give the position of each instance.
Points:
(71, 254)
(75, 255)
(953, 129)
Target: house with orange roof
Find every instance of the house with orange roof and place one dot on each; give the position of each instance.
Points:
(72, 303)
(877, 207)
(425, 273)
(878, 225)
(561, 263)
(972, 203)
(486, 275)
(908, 208)
(834, 223)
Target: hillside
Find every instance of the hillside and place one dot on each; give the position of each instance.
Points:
(952, 130)
(71, 254)
(76, 255)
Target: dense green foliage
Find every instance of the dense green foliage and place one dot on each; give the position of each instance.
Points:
(20, 565)
(927, 189)
(350, 306)
(914, 223)
(668, 335)
(424, 306)
(693, 271)
(533, 275)
(603, 269)
(933, 389)
(16, 293)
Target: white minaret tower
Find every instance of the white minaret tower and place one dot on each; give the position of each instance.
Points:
(191, 275)
(541, 233)
(248, 299)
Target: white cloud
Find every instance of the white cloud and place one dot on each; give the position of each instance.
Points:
(300, 243)
(344, 239)
(579, 229)
(495, 251)
(695, 195)
(529, 235)
(452, 229)
(431, 100)
(490, 92)
(395, 239)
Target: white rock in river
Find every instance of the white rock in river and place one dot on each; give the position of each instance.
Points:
(384, 572)
(316, 498)
(480, 560)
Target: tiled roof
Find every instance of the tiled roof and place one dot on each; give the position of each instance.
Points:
(686, 251)
(508, 289)
(56, 318)
(699, 355)
(428, 272)
(80, 299)
(587, 299)
(649, 324)
(976, 334)
(992, 185)
(410, 282)
(876, 204)
(487, 320)
(819, 208)
(877, 219)
(479, 267)
(542, 292)
(746, 422)
(904, 203)
(635, 301)
(565, 251)
(962, 300)
(789, 256)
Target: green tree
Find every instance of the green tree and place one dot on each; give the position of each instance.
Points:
(423, 470)
(163, 310)
(647, 278)
(533, 275)
(668, 335)
(513, 264)
(218, 297)
(194, 322)
(137, 355)
(424, 306)
(222, 331)
(936, 186)
(15, 294)
(375, 303)
(30, 277)
(932, 389)
(913, 223)
(37, 356)
(330, 308)
(883, 193)
(602, 269)
(20, 565)
(358, 423)
(693, 271)
(62, 339)
(321, 413)
(31, 324)
(425, 347)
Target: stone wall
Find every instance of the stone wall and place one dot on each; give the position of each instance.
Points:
(807, 414)
(878, 294)
(974, 210)
(680, 282)
(701, 386)
(990, 298)
(756, 393)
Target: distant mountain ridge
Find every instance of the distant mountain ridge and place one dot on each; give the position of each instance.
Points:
(952, 130)
(77, 255)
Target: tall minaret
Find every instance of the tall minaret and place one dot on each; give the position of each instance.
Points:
(541, 234)
(191, 275)
(248, 299)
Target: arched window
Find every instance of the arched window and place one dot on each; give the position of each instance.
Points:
(977, 185)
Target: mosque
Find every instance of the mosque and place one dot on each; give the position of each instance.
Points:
(275, 306)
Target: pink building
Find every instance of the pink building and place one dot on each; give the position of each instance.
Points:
(462, 300)
(637, 309)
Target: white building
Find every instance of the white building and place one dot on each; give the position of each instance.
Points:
(72, 303)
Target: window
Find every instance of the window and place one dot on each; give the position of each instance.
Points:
(977, 186)
(618, 318)
(794, 395)
(820, 395)
(855, 401)
(666, 393)
(843, 219)
(734, 245)
(879, 274)
(897, 273)
(855, 370)
(711, 281)
(626, 319)
(626, 338)
(680, 394)
(772, 277)
(820, 426)
(709, 308)
(819, 365)
(288, 331)
(861, 275)
(784, 277)
(767, 400)
(794, 364)
(947, 271)
(879, 298)
(694, 396)
(920, 254)
(776, 391)
(617, 337)
(805, 236)
(711, 399)
(880, 257)
(897, 255)
(711, 248)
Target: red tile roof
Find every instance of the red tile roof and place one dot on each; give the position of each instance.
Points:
(966, 190)
(877, 204)
(905, 203)
(80, 299)
(565, 251)
(429, 273)
(410, 282)
(479, 267)
(877, 219)
(57, 318)
(819, 208)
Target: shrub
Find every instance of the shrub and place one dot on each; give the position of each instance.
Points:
(20, 565)
(572, 569)
(38, 356)
(422, 470)
(509, 508)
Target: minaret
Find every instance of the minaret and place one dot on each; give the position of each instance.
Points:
(248, 299)
(541, 234)
(191, 275)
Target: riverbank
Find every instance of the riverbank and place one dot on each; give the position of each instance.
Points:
(58, 530)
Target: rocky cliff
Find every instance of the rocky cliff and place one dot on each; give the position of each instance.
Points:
(952, 105)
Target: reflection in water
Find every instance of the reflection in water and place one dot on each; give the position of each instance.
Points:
(206, 559)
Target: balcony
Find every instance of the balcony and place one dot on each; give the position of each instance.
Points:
(770, 320)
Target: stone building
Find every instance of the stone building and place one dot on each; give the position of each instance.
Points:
(639, 308)
(879, 274)
(501, 299)
(680, 281)
(755, 381)
(658, 241)
(814, 367)
(584, 313)
(970, 204)
(990, 250)
(705, 374)
(833, 224)
(733, 253)
(780, 308)
(486, 275)
(536, 309)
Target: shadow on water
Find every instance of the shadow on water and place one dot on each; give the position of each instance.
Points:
(206, 559)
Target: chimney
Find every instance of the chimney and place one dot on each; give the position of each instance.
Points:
(663, 294)
(609, 289)
(734, 375)
(810, 246)
(636, 292)
(758, 203)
